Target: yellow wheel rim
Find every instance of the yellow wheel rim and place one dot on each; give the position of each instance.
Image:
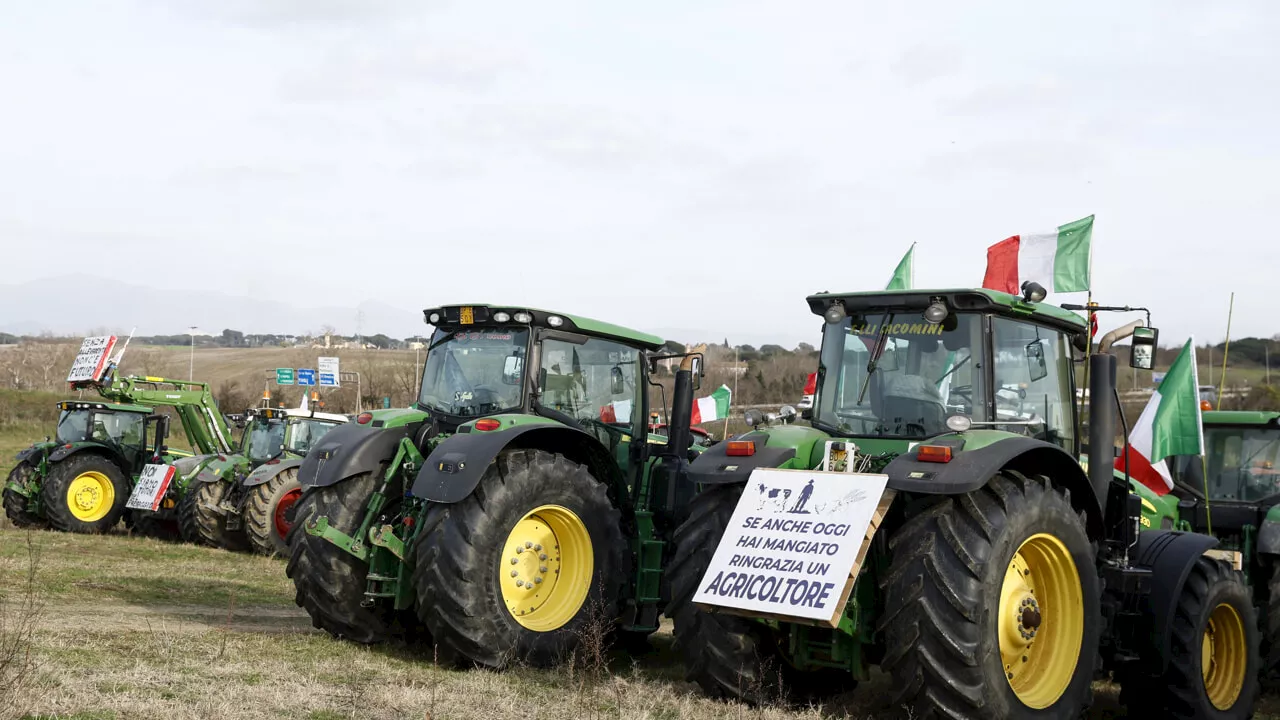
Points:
(90, 496)
(546, 566)
(1223, 657)
(1040, 621)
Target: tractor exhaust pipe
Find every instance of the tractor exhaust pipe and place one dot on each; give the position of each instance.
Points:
(679, 436)
(1117, 335)
(1102, 418)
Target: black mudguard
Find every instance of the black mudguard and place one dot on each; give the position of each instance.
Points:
(348, 450)
(714, 466)
(454, 468)
(263, 473)
(1269, 538)
(31, 453)
(971, 469)
(106, 451)
(1169, 555)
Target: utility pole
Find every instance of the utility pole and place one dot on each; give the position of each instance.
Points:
(191, 370)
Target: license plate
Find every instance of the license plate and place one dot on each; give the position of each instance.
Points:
(152, 484)
(467, 316)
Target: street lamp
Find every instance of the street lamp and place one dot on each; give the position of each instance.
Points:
(191, 370)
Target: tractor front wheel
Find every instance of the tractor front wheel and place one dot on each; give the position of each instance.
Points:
(330, 582)
(730, 656)
(201, 523)
(85, 493)
(994, 607)
(530, 566)
(270, 511)
(17, 507)
(1214, 662)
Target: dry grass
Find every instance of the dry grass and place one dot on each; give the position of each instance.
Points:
(137, 629)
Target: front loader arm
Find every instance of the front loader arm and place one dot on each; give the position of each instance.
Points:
(206, 429)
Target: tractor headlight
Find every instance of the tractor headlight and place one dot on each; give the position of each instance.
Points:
(434, 318)
(555, 320)
(524, 317)
(501, 317)
(959, 423)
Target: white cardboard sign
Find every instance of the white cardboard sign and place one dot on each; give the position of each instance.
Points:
(328, 371)
(150, 488)
(92, 358)
(793, 543)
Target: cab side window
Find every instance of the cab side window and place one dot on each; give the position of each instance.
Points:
(1033, 372)
(594, 381)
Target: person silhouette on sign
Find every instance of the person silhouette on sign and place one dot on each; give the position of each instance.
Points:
(804, 498)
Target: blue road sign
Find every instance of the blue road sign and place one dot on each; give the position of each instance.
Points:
(306, 376)
(328, 380)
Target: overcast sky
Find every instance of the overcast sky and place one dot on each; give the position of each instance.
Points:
(698, 167)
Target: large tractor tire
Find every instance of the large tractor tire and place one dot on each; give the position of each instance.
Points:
(270, 512)
(730, 656)
(85, 493)
(17, 507)
(992, 604)
(330, 582)
(526, 568)
(1270, 622)
(1214, 664)
(200, 523)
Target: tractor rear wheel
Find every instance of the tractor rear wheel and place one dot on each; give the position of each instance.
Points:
(17, 507)
(270, 511)
(993, 604)
(528, 567)
(730, 656)
(330, 582)
(85, 493)
(1271, 629)
(1214, 662)
(202, 524)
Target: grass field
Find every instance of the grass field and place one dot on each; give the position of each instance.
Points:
(135, 628)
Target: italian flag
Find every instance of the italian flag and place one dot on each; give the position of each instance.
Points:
(713, 407)
(1169, 425)
(904, 275)
(1058, 260)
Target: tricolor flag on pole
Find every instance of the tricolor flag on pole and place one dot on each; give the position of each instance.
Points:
(904, 276)
(1169, 425)
(1058, 260)
(713, 407)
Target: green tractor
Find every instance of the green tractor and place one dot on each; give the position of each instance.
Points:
(511, 507)
(934, 520)
(246, 501)
(81, 480)
(1237, 501)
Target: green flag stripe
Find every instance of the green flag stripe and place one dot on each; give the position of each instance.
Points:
(1071, 261)
(1176, 428)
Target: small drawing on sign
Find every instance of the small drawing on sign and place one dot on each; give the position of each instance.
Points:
(805, 494)
(769, 496)
(852, 497)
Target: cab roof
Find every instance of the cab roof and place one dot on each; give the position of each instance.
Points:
(94, 405)
(450, 316)
(957, 300)
(1240, 417)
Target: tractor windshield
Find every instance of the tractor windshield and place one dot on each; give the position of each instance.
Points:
(471, 373)
(264, 439)
(1243, 464)
(73, 426)
(304, 434)
(922, 374)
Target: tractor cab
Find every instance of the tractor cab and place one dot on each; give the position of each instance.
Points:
(911, 365)
(124, 429)
(484, 362)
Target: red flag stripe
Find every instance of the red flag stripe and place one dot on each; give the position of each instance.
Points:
(1002, 266)
(1142, 471)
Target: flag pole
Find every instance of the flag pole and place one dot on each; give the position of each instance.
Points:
(735, 392)
(912, 250)
(1223, 382)
(1204, 463)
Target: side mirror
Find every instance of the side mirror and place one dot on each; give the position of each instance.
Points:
(512, 370)
(617, 383)
(1143, 353)
(695, 367)
(787, 414)
(1037, 369)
